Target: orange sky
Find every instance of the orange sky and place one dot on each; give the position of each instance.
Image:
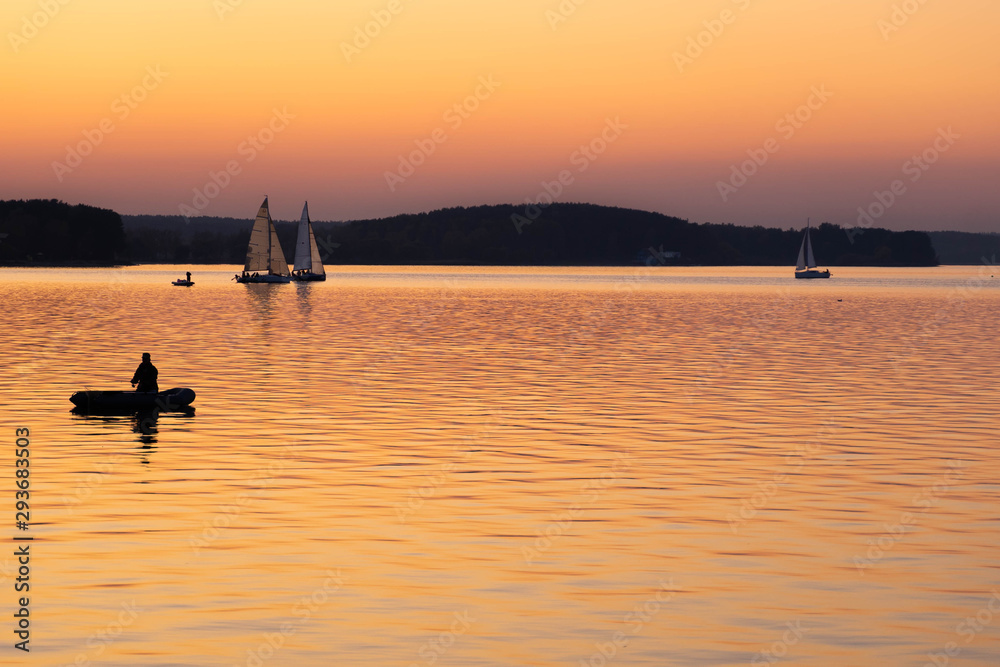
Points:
(332, 114)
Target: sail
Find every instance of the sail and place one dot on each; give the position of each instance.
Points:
(303, 257)
(277, 265)
(801, 265)
(258, 251)
(317, 261)
(810, 260)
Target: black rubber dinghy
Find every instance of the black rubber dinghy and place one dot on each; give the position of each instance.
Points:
(177, 398)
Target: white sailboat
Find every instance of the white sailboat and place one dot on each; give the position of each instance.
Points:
(308, 263)
(806, 267)
(265, 259)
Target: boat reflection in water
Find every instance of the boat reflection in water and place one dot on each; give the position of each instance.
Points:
(144, 423)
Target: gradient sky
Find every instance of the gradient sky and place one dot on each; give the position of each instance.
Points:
(229, 64)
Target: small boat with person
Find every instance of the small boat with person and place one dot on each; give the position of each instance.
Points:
(806, 266)
(308, 263)
(178, 398)
(147, 395)
(181, 282)
(265, 261)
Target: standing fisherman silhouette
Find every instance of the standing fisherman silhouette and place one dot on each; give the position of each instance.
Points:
(145, 375)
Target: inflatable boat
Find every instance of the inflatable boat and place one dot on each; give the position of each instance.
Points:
(172, 399)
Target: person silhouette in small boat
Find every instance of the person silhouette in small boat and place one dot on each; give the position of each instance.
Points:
(145, 375)
(189, 276)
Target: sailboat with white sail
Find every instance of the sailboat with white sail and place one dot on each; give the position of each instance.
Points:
(265, 260)
(806, 267)
(308, 263)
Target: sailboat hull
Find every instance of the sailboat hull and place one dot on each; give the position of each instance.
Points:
(811, 274)
(310, 278)
(264, 279)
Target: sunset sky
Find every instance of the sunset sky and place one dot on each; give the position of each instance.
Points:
(299, 107)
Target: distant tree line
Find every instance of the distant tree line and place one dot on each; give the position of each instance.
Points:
(47, 231)
(561, 234)
(564, 234)
(966, 247)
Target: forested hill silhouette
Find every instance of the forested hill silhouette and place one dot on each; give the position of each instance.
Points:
(50, 232)
(966, 247)
(559, 234)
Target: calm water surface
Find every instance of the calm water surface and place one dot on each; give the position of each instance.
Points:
(448, 466)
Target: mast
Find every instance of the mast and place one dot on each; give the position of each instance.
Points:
(270, 229)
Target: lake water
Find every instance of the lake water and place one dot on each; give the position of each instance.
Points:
(465, 466)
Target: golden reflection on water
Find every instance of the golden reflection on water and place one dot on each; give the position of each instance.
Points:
(458, 466)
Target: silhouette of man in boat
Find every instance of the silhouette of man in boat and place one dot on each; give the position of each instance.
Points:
(145, 375)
